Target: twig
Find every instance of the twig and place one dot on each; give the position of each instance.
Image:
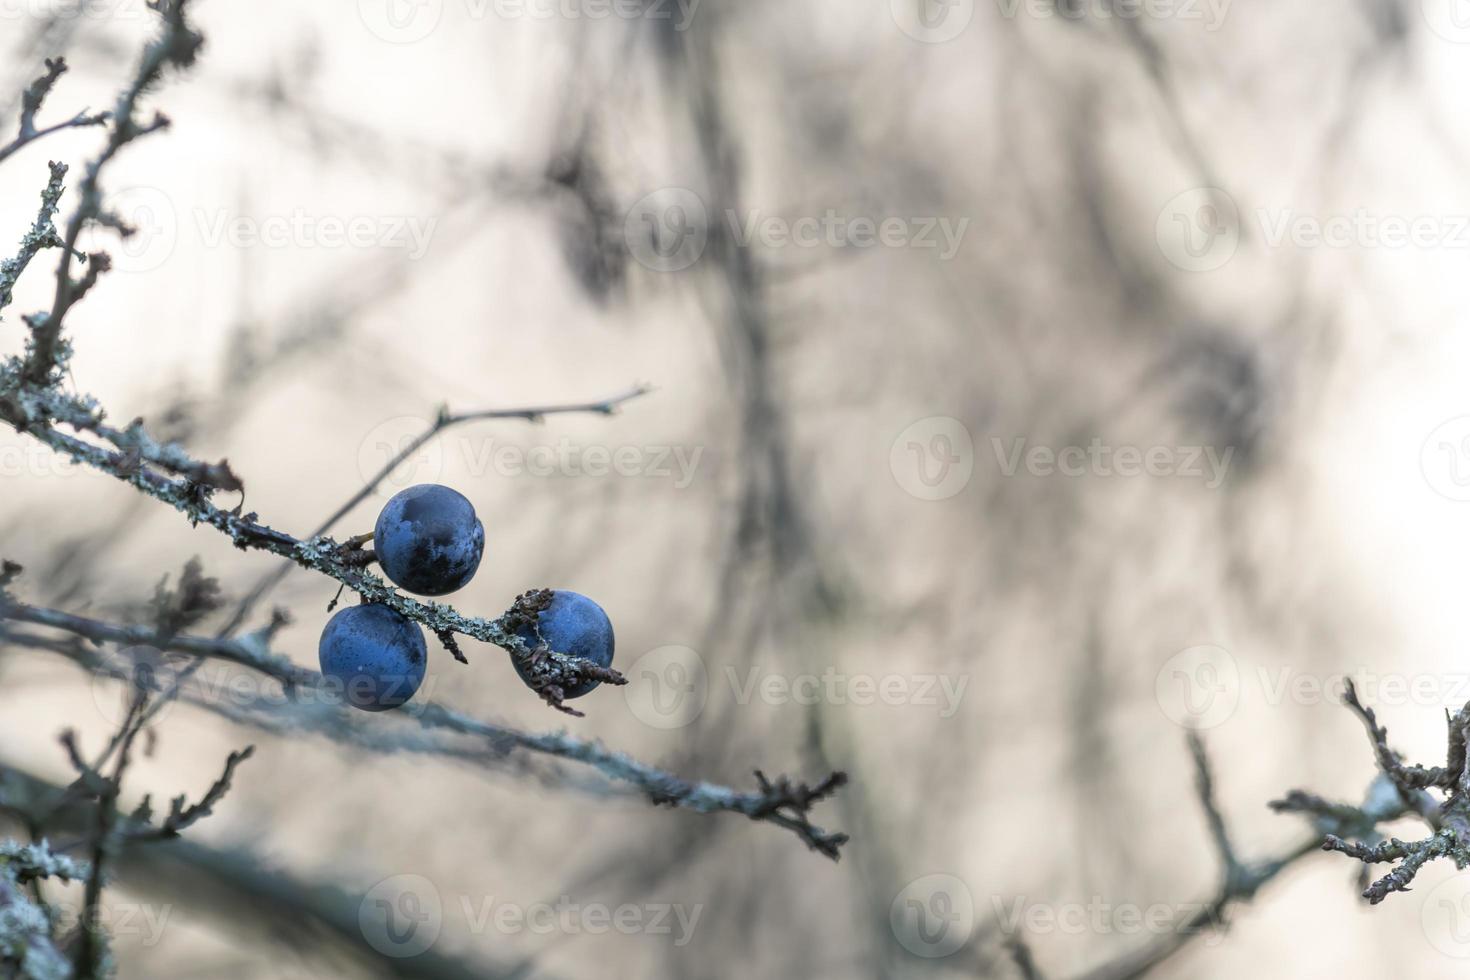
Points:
(442, 421)
(43, 235)
(31, 102)
(780, 802)
(177, 46)
(1240, 881)
(1449, 820)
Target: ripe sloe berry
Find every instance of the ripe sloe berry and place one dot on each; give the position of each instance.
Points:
(377, 655)
(428, 539)
(575, 625)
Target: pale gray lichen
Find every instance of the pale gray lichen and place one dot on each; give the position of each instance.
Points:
(26, 949)
(27, 862)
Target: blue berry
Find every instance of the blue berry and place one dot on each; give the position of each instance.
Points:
(428, 540)
(575, 625)
(376, 655)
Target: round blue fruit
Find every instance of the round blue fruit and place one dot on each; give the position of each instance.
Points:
(375, 655)
(428, 540)
(576, 626)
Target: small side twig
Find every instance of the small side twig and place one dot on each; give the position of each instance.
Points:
(30, 104)
(1447, 818)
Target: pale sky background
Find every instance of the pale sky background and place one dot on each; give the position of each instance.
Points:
(1067, 149)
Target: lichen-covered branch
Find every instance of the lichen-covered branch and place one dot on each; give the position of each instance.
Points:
(42, 235)
(780, 802)
(177, 46)
(1448, 818)
(30, 104)
(145, 464)
(443, 421)
(1240, 880)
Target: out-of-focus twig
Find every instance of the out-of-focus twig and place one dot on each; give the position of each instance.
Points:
(1240, 881)
(31, 102)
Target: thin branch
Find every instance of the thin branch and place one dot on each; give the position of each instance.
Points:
(444, 420)
(1449, 819)
(1240, 881)
(1205, 788)
(246, 894)
(92, 943)
(780, 802)
(43, 235)
(1408, 779)
(18, 407)
(31, 102)
(180, 817)
(177, 46)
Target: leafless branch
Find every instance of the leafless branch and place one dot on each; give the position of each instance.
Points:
(780, 802)
(43, 235)
(443, 421)
(1448, 819)
(31, 102)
